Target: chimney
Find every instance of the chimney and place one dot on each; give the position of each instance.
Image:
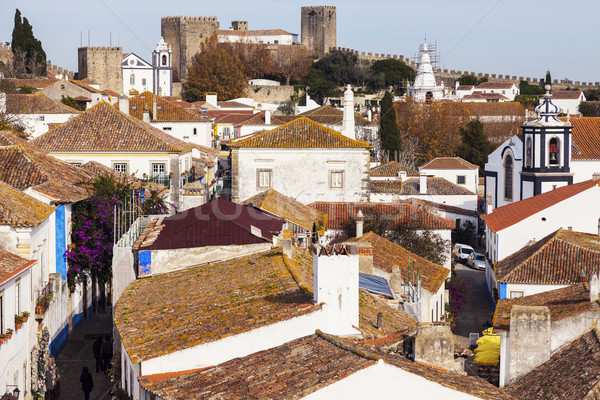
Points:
(581, 278)
(348, 119)
(2, 103)
(596, 176)
(154, 108)
(423, 183)
(396, 279)
(434, 345)
(594, 288)
(335, 283)
(365, 258)
(268, 117)
(287, 244)
(360, 222)
(211, 98)
(402, 175)
(146, 116)
(489, 202)
(369, 115)
(124, 104)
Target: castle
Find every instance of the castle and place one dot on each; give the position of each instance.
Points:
(102, 65)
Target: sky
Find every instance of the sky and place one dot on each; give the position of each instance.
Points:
(522, 38)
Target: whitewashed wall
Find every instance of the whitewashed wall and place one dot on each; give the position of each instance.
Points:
(37, 124)
(185, 131)
(451, 175)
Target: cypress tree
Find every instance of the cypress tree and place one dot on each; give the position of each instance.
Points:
(389, 133)
(548, 80)
(474, 146)
(23, 41)
(18, 38)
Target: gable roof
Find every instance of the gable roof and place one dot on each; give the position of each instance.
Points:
(510, 214)
(323, 110)
(387, 254)
(288, 208)
(557, 259)
(484, 96)
(340, 212)
(465, 87)
(586, 138)
(103, 128)
(166, 111)
(20, 210)
(448, 163)
(300, 133)
(259, 119)
(495, 85)
(562, 303)
(412, 187)
(442, 207)
(216, 223)
(567, 95)
(11, 264)
(37, 103)
(571, 373)
(328, 115)
(392, 168)
(8, 138)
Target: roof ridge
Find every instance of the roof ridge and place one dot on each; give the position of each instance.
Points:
(338, 343)
(550, 237)
(305, 289)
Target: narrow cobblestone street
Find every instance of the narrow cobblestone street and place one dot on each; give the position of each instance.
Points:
(78, 354)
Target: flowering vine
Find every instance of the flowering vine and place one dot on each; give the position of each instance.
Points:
(39, 365)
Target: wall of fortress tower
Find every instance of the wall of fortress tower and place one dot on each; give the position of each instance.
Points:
(185, 35)
(102, 65)
(318, 29)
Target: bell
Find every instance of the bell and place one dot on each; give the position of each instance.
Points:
(553, 157)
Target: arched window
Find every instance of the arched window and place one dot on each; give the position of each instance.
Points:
(508, 178)
(428, 97)
(132, 79)
(528, 152)
(164, 60)
(553, 153)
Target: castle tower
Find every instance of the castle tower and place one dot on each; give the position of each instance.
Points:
(185, 36)
(162, 70)
(102, 65)
(546, 150)
(318, 29)
(424, 88)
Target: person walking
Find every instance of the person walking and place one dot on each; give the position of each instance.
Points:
(106, 353)
(97, 348)
(87, 383)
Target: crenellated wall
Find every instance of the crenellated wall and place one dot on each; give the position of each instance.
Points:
(102, 65)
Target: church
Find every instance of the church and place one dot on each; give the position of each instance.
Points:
(550, 152)
(140, 76)
(424, 88)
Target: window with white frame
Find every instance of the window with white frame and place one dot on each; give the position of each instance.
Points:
(18, 296)
(336, 179)
(516, 294)
(132, 79)
(158, 169)
(143, 81)
(263, 178)
(120, 167)
(42, 117)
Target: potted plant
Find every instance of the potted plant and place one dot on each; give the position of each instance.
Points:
(9, 333)
(2, 339)
(25, 316)
(18, 321)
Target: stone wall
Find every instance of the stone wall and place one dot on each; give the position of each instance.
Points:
(434, 344)
(318, 29)
(6, 55)
(102, 65)
(185, 35)
(269, 94)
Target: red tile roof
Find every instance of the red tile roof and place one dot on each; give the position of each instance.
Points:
(8, 138)
(448, 163)
(510, 214)
(300, 133)
(567, 95)
(557, 259)
(260, 32)
(36, 104)
(411, 187)
(495, 85)
(442, 207)
(485, 96)
(11, 265)
(338, 213)
(586, 138)
(392, 168)
(166, 111)
(20, 210)
(465, 87)
(103, 128)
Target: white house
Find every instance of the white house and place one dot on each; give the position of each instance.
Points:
(35, 112)
(502, 178)
(265, 36)
(453, 169)
(507, 89)
(463, 90)
(568, 101)
(141, 76)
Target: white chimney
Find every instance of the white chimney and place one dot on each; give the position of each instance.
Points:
(348, 120)
(335, 280)
(369, 115)
(154, 108)
(146, 116)
(124, 104)
(490, 206)
(594, 288)
(268, 117)
(423, 183)
(360, 223)
(402, 175)
(211, 98)
(3, 103)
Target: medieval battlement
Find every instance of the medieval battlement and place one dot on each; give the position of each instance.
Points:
(103, 48)
(56, 70)
(188, 18)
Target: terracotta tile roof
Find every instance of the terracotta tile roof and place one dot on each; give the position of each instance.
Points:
(20, 210)
(557, 259)
(387, 254)
(103, 128)
(259, 119)
(216, 223)
(259, 32)
(11, 264)
(571, 373)
(562, 303)
(22, 166)
(36, 104)
(232, 104)
(323, 110)
(328, 119)
(449, 163)
(495, 85)
(170, 312)
(300, 133)
(288, 208)
(166, 111)
(465, 87)
(338, 213)
(442, 207)
(233, 118)
(485, 96)
(38, 83)
(7, 138)
(508, 109)
(85, 86)
(567, 95)
(510, 214)
(586, 138)
(411, 187)
(392, 168)
(206, 151)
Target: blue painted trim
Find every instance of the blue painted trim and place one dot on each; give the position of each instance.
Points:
(58, 344)
(61, 241)
(489, 292)
(77, 320)
(145, 261)
(503, 290)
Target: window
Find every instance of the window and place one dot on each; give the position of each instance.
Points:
(166, 128)
(164, 60)
(42, 117)
(75, 163)
(458, 222)
(120, 167)
(18, 297)
(144, 82)
(195, 131)
(528, 152)
(158, 169)
(515, 294)
(554, 148)
(508, 178)
(461, 179)
(263, 178)
(336, 179)
(226, 133)
(132, 79)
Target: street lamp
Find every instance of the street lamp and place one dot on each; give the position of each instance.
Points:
(15, 392)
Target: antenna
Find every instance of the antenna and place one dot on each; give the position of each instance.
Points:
(110, 40)
(80, 38)
(88, 38)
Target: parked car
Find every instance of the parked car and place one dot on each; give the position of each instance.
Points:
(477, 261)
(461, 252)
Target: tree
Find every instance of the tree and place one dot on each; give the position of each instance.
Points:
(590, 109)
(255, 57)
(319, 88)
(548, 79)
(373, 222)
(395, 73)
(291, 62)
(421, 241)
(388, 126)
(467, 80)
(27, 48)
(526, 88)
(338, 67)
(474, 146)
(214, 69)
(71, 102)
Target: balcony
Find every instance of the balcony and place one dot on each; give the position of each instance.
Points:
(44, 298)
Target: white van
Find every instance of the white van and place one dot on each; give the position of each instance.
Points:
(462, 252)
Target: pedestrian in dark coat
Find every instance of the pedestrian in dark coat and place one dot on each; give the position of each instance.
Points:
(106, 353)
(97, 348)
(87, 383)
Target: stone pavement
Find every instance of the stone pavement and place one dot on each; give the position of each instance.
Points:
(78, 354)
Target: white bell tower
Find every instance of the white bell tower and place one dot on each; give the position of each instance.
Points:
(163, 71)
